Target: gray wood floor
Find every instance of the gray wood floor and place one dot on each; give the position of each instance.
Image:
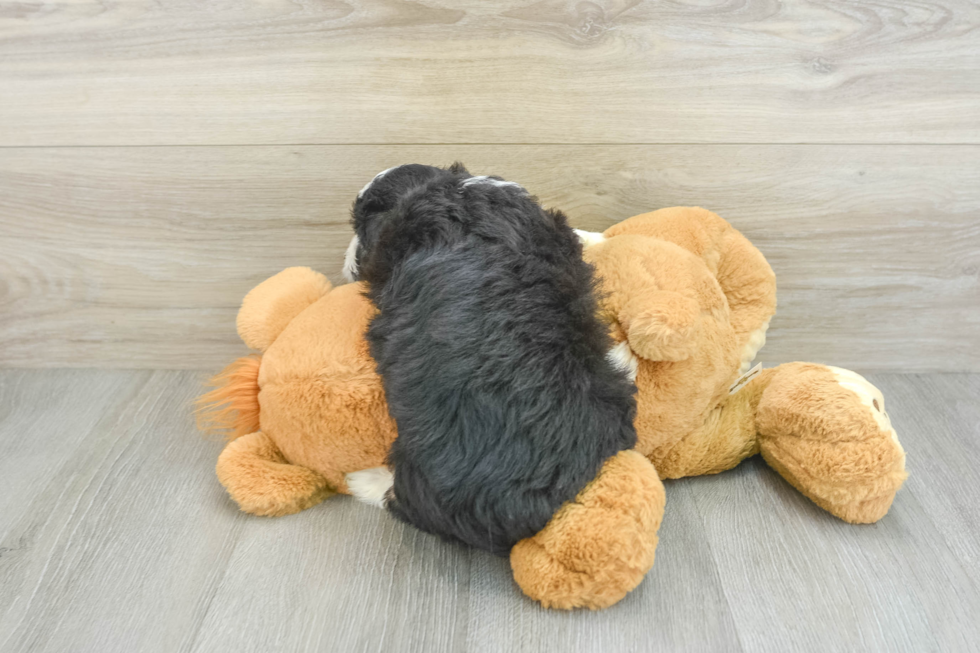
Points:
(115, 536)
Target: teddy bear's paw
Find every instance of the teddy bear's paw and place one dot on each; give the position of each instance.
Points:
(825, 430)
(663, 326)
(595, 549)
(262, 483)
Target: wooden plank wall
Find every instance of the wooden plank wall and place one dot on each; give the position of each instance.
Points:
(159, 159)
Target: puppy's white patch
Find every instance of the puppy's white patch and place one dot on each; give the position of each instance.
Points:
(376, 178)
(350, 260)
(757, 339)
(623, 358)
(482, 179)
(589, 238)
(371, 485)
(872, 398)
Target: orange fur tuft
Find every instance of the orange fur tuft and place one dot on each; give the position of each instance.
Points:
(232, 407)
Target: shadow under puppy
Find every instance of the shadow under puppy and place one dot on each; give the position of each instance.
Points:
(493, 360)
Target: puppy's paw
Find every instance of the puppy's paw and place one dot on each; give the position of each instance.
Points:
(371, 485)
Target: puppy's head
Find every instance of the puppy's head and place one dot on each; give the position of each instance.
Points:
(378, 217)
(411, 207)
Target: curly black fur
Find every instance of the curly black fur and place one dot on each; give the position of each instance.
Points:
(491, 354)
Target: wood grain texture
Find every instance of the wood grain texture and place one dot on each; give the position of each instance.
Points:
(120, 546)
(45, 420)
(679, 606)
(948, 409)
(139, 257)
(438, 71)
(126, 542)
(907, 583)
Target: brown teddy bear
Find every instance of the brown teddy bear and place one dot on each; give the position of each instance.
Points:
(688, 300)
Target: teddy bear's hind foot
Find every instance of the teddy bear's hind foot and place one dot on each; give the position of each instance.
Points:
(597, 548)
(262, 483)
(825, 430)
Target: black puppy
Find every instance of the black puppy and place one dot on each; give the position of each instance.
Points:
(492, 358)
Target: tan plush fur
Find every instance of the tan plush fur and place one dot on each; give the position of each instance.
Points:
(600, 546)
(321, 405)
(271, 305)
(832, 450)
(688, 294)
(814, 431)
(257, 475)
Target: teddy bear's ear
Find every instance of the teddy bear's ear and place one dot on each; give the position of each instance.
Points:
(271, 305)
(661, 325)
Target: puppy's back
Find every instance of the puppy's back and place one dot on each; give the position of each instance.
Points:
(495, 370)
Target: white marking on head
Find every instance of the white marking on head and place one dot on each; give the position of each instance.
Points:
(589, 238)
(371, 485)
(482, 179)
(623, 358)
(350, 260)
(376, 178)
